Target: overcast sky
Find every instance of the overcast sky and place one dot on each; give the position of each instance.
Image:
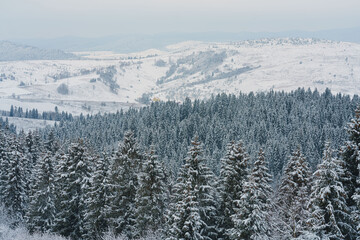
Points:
(96, 18)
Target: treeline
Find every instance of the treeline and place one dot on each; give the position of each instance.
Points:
(80, 193)
(4, 124)
(276, 121)
(35, 114)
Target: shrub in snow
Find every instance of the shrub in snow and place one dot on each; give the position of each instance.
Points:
(63, 89)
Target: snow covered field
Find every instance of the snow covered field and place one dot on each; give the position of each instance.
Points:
(28, 124)
(107, 82)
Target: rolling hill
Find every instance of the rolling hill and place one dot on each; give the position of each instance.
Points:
(106, 81)
(10, 51)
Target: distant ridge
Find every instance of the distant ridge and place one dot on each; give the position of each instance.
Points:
(127, 43)
(10, 51)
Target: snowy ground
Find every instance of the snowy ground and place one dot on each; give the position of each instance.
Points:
(189, 69)
(28, 124)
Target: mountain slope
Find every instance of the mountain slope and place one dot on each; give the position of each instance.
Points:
(106, 81)
(10, 51)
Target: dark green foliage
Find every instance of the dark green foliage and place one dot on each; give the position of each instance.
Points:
(72, 183)
(194, 210)
(293, 195)
(126, 163)
(125, 191)
(233, 174)
(252, 213)
(41, 213)
(15, 189)
(277, 121)
(351, 157)
(151, 196)
(330, 215)
(96, 222)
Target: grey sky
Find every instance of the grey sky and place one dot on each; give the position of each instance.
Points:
(94, 18)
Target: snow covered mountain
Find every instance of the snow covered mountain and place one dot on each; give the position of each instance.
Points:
(10, 51)
(105, 81)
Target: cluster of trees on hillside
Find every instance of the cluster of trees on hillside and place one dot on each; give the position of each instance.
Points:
(276, 121)
(35, 114)
(78, 192)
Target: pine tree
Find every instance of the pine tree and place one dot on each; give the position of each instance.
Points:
(14, 195)
(4, 164)
(51, 144)
(33, 144)
(351, 157)
(73, 184)
(252, 212)
(41, 213)
(356, 198)
(330, 216)
(194, 209)
(124, 182)
(233, 174)
(293, 195)
(151, 196)
(95, 213)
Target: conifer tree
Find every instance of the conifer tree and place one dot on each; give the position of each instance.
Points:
(151, 196)
(356, 198)
(252, 212)
(14, 195)
(41, 213)
(51, 144)
(330, 218)
(97, 196)
(233, 174)
(293, 195)
(351, 157)
(194, 215)
(4, 164)
(73, 184)
(124, 182)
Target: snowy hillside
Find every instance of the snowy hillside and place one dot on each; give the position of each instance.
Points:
(105, 81)
(29, 124)
(10, 51)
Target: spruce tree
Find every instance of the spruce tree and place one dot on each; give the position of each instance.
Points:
(151, 196)
(41, 212)
(351, 157)
(194, 209)
(96, 199)
(330, 217)
(73, 184)
(233, 174)
(293, 195)
(252, 213)
(124, 170)
(51, 144)
(15, 195)
(4, 164)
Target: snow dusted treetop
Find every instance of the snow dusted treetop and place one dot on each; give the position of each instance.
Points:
(354, 127)
(351, 156)
(194, 211)
(329, 213)
(151, 196)
(41, 211)
(293, 194)
(124, 171)
(252, 215)
(233, 174)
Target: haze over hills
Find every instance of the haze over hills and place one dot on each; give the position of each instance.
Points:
(10, 51)
(106, 81)
(127, 43)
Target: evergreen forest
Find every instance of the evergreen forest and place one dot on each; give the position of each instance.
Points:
(271, 165)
